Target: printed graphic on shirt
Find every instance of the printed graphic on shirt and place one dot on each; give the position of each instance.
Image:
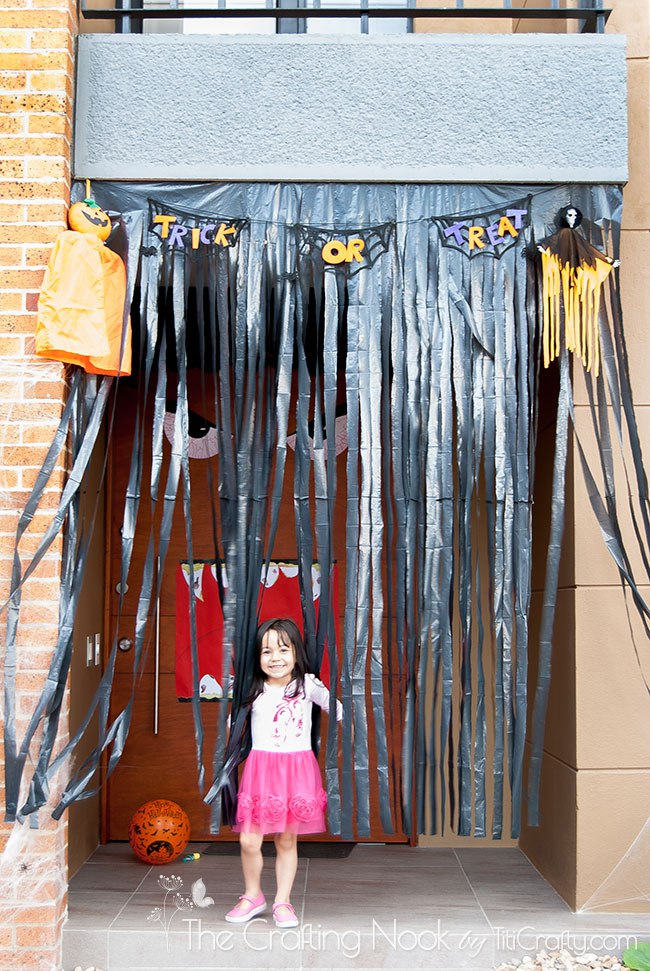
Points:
(287, 721)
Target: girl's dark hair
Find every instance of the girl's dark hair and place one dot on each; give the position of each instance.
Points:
(288, 633)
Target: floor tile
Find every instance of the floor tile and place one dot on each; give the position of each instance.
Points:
(499, 856)
(112, 852)
(576, 924)
(401, 947)
(520, 900)
(382, 907)
(85, 948)
(383, 854)
(361, 881)
(94, 910)
(218, 878)
(115, 878)
(421, 913)
(146, 911)
(205, 947)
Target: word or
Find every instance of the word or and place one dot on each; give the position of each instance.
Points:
(337, 251)
(207, 235)
(474, 237)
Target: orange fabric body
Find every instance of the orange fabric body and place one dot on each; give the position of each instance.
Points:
(81, 306)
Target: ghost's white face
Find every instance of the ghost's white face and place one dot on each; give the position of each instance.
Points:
(572, 217)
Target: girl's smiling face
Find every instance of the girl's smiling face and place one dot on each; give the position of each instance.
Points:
(277, 659)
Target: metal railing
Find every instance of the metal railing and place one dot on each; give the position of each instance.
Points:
(590, 15)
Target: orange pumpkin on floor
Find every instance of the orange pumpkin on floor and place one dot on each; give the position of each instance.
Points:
(159, 831)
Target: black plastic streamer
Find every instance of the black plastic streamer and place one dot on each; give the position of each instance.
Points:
(440, 370)
(86, 406)
(613, 391)
(113, 735)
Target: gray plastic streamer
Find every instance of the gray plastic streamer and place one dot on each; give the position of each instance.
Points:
(417, 308)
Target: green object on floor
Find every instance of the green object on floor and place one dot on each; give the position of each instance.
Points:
(638, 957)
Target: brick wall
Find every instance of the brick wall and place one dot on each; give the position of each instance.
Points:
(36, 81)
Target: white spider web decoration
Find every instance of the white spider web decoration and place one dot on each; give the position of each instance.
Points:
(627, 886)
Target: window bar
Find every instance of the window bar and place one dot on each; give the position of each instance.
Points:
(124, 25)
(600, 18)
(364, 19)
(289, 25)
(316, 4)
(591, 17)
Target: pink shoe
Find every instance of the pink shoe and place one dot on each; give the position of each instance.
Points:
(285, 916)
(247, 908)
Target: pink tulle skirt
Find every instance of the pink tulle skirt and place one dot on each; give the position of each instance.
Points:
(281, 792)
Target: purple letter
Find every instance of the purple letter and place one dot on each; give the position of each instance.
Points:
(204, 233)
(493, 234)
(176, 235)
(455, 231)
(517, 214)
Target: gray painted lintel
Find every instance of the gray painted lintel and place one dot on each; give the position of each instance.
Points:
(414, 108)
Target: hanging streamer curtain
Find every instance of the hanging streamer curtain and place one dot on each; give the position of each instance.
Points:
(418, 307)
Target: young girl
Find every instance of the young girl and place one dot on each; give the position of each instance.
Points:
(281, 790)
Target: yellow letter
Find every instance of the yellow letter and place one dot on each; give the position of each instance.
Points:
(505, 226)
(475, 234)
(334, 252)
(222, 232)
(196, 236)
(165, 220)
(354, 250)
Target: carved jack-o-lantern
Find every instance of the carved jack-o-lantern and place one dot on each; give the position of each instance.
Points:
(87, 217)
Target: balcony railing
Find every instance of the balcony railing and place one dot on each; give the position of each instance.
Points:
(291, 16)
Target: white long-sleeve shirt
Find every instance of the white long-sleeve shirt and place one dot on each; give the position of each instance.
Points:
(281, 724)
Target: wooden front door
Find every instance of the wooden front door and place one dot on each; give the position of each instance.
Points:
(162, 763)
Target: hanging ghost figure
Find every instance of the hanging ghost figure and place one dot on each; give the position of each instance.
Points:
(573, 217)
(573, 273)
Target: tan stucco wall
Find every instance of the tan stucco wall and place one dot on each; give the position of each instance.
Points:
(613, 705)
(596, 783)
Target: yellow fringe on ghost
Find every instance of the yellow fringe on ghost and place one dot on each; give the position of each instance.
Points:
(572, 294)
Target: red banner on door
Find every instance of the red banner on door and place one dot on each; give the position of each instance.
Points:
(279, 596)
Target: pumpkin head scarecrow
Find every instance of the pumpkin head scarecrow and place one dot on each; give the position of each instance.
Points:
(81, 314)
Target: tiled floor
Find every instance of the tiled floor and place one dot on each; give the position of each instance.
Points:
(382, 907)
